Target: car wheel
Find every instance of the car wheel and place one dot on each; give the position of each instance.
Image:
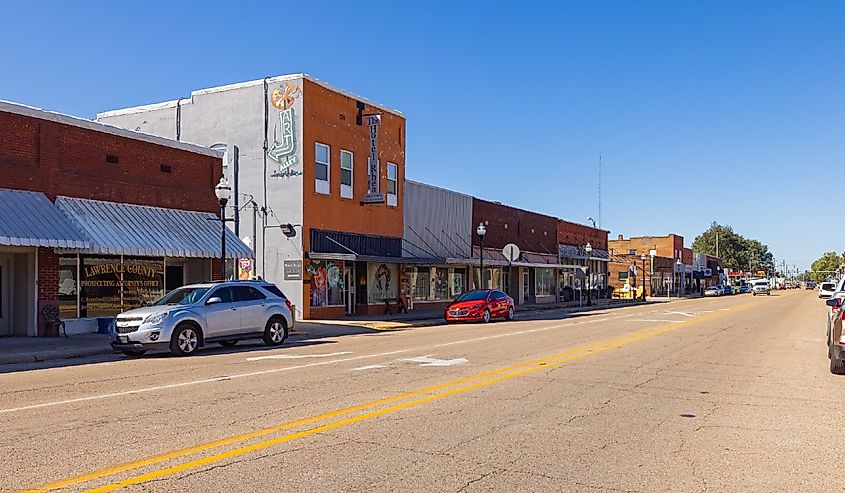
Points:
(510, 313)
(754, 294)
(485, 317)
(229, 343)
(837, 366)
(134, 354)
(185, 340)
(275, 332)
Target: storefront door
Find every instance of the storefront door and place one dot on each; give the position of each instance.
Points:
(349, 281)
(5, 295)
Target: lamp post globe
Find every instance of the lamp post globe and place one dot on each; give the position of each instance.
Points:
(223, 192)
(481, 230)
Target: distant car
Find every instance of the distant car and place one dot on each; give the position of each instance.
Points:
(761, 287)
(809, 285)
(727, 289)
(480, 305)
(835, 337)
(826, 289)
(744, 288)
(713, 291)
(187, 318)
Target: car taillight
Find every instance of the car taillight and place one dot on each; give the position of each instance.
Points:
(289, 304)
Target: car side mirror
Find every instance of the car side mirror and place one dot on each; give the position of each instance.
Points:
(213, 300)
(834, 302)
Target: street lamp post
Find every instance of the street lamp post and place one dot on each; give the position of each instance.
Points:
(481, 230)
(680, 283)
(589, 249)
(223, 192)
(643, 257)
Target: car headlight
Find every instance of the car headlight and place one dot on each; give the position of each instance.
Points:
(156, 318)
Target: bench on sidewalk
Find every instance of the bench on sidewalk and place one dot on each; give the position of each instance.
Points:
(398, 303)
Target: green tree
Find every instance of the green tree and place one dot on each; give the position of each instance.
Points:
(830, 261)
(738, 252)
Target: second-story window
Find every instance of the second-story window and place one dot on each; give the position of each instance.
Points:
(392, 184)
(346, 165)
(321, 168)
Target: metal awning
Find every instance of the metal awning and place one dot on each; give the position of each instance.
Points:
(127, 229)
(375, 259)
(30, 219)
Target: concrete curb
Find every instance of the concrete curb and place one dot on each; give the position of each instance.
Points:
(48, 355)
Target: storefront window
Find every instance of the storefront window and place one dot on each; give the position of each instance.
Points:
(382, 282)
(420, 283)
(67, 286)
(100, 282)
(544, 282)
(457, 282)
(441, 283)
(327, 286)
(143, 282)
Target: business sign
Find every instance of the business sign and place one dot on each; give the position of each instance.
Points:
(292, 270)
(708, 272)
(373, 169)
(246, 268)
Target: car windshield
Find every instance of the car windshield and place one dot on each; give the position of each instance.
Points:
(473, 296)
(182, 296)
(827, 286)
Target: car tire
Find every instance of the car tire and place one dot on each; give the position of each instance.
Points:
(485, 317)
(185, 340)
(510, 313)
(134, 354)
(229, 343)
(754, 294)
(837, 366)
(275, 332)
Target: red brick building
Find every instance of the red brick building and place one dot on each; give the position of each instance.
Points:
(76, 194)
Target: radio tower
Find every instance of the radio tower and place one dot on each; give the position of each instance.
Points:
(599, 190)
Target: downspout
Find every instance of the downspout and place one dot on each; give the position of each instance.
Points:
(264, 156)
(179, 119)
(235, 191)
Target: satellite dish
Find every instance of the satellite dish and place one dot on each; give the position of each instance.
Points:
(511, 252)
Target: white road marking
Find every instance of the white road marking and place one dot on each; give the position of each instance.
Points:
(298, 356)
(427, 360)
(724, 309)
(369, 367)
(656, 320)
(297, 367)
(685, 314)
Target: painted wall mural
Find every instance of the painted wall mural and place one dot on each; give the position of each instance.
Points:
(283, 148)
(382, 282)
(327, 287)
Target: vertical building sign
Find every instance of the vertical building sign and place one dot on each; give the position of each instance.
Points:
(373, 169)
(283, 149)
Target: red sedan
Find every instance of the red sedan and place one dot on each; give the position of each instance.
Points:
(482, 304)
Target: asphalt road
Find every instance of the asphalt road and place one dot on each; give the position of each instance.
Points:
(724, 394)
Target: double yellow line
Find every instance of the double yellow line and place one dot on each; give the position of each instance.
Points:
(394, 403)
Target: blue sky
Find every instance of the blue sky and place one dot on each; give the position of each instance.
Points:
(702, 110)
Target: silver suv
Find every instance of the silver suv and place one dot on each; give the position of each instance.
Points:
(187, 318)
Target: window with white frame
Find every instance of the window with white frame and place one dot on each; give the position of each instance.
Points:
(346, 166)
(321, 168)
(392, 184)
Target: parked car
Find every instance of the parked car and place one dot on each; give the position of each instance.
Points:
(727, 289)
(713, 291)
(744, 288)
(809, 285)
(761, 287)
(189, 317)
(480, 305)
(835, 337)
(826, 289)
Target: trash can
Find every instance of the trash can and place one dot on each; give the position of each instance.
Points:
(103, 324)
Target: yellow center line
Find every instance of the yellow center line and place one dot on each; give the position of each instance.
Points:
(500, 375)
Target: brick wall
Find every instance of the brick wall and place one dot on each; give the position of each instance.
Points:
(578, 235)
(530, 231)
(329, 118)
(60, 159)
(669, 246)
(47, 278)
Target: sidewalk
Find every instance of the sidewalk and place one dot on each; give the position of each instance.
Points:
(34, 349)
